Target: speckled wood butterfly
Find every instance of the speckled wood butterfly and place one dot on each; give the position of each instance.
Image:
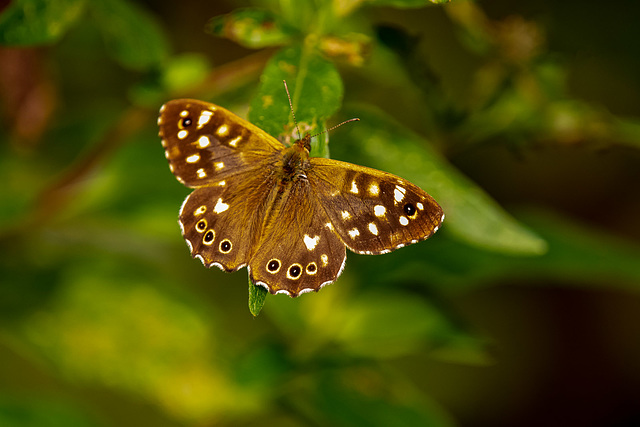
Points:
(285, 215)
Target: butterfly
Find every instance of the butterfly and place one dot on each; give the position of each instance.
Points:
(286, 216)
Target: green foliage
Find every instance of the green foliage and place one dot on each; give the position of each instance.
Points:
(132, 36)
(308, 77)
(257, 297)
(101, 307)
(42, 413)
(252, 28)
(33, 22)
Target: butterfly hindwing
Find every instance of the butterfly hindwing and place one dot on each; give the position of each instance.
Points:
(221, 222)
(205, 143)
(299, 250)
(374, 212)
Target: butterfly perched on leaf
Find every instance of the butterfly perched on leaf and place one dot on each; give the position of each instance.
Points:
(286, 216)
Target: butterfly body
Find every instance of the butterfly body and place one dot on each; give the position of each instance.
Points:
(287, 216)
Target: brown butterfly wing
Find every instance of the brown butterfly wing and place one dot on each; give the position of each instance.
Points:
(221, 222)
(299, 250)
(224, 158)
(374, 212)
(205, 143)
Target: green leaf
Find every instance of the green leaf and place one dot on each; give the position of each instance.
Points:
(252, 28)
(315, 87)
(471, 215)
(257, 296)
(133, 37)
(35, 22)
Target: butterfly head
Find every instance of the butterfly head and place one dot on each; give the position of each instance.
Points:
(305, 143)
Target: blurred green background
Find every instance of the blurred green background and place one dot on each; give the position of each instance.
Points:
(520, 118)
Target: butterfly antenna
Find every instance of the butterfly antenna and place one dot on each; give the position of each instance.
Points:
(336, 126)
(293, 114)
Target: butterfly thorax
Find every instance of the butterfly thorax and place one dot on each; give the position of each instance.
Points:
(295, 160)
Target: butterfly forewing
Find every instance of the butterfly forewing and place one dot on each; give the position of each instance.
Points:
(374, 212)
(205, 143)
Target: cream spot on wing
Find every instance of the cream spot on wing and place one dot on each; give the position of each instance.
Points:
(223, 130)
(398, 193)
(202, 209)
(221, 183)
(220, 207)
(182, 134)
(311, 243)
(204, 141)
(374, 189)
(346, 215)
(201, 173)
(234, 141)
(420, 206)
(171, 167)
(404, 220)
(193, 158)
(379, 210)
(204, 118)
(373, 229)
(354, 187)
(218, 165)
(354, 232)
(184, 113)
(325, 260)
(329, 226)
